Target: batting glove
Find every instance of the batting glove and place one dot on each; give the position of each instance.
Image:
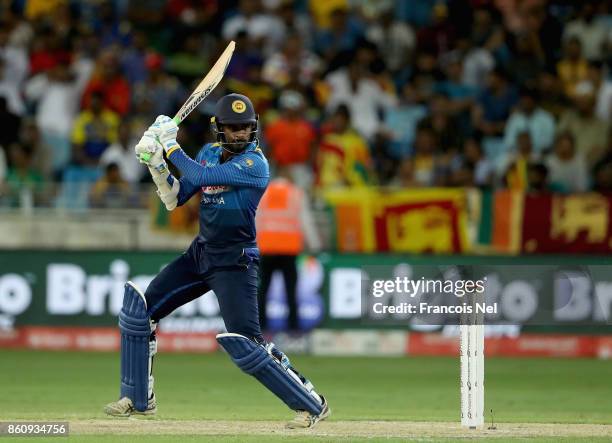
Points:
(149, 151)
(166, 131)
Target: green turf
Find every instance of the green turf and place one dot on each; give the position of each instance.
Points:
(60, 385)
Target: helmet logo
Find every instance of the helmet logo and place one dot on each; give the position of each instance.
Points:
(238, 106)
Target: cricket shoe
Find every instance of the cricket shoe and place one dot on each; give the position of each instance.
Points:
(124, 407)
(304, 419)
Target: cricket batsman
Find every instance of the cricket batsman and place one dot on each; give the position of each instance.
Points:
(232, 174)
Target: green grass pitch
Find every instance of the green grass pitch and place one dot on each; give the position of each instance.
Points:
(75, 386)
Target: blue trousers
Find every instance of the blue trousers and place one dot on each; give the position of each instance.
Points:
(231, 272)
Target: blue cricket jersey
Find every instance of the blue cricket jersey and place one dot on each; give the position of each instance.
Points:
(230, 192)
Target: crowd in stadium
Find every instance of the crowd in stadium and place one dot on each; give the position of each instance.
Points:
(419, 93)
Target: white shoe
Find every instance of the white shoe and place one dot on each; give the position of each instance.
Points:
(304, 419)
(124, 407)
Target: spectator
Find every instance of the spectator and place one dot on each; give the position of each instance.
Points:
(109, 83)
(32, 141)
(533, 119)
(443, 124)
(107, 25)
(483, 25)
(111, 191)
(528, 59)
(293, 61)
(482, 169)
(21, 31)
(121, 153)
(603, 178)
(567, 168)
(487, 34)
(292, 21)
(491, 111)
(551, 94)
(162, 90)
(437, 37)
(545, 25)
(48, 49)
(478, 62)
(589, 132)
(13, 71)
(603, 91)
(322, 12)
(572, 68)
(9, 123)
(591, 33)
(602, 172)
(384, 162)
(365, 97)
(262, 28)
(3, 169)
(404, 177)
(513, 167)
(427, 160)
(401, 122)
(395, 39)
(259, 91)
(149, 14)
(460, 87)
(285, 228)
(494, 105)
(462, 176)
(24, 182)
(245, 55)
(426, 76)
(94, 130)
(343, 35)
(56, 95)
(193, 16)
(537, 178)
(292, 140)
(343, 158)
(188, 62)
(461, 96)
(134, 59)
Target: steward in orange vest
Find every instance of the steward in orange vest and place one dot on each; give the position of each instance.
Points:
(283, 224)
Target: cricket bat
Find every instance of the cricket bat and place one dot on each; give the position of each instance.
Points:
(203, 90)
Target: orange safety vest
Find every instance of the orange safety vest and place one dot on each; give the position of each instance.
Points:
(278, 219)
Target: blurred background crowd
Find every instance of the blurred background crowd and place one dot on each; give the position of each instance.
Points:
(350, 93)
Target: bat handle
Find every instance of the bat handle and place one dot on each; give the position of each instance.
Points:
(146, 156)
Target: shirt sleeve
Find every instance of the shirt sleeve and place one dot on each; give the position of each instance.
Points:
(247, 170)
(186, 190)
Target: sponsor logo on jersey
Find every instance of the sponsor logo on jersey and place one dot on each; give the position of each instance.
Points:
(212, 200)
(214, 190)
